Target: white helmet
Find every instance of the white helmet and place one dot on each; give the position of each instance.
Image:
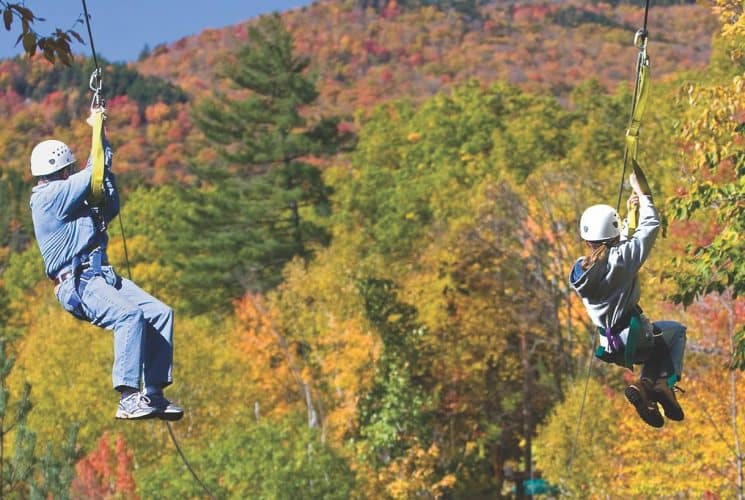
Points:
(49, 157)
(599, 223)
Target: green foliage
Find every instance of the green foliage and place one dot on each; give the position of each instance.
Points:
(395, 410)
(714, 197)
(55, 475)
(280, 459)
(262, 200)
(23, 272)
(155, 223)
(414, 168)
(454, 218)
(119, 80)
(467, 7)
(14, 213)
(572, 17)
(23, 472)
(579, 468)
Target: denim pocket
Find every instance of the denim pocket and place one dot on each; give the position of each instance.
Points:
(68, 296)
(110, 276)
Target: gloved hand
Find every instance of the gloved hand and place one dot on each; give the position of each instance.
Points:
(639, 184)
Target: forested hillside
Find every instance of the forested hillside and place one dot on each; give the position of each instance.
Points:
(363, 56)
(364, 215)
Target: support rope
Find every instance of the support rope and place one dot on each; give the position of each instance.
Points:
(631, 142)
(582, 405)
(637, 102)
(95, 84)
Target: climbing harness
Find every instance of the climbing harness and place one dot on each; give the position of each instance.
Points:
(638, 105)
(97, 198)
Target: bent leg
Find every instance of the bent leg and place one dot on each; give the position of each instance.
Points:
(158, 342)
(674, 334)
(108, 308)
(666, 358)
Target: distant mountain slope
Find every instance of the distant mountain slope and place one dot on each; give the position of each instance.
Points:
(364, 56)
(361, 57)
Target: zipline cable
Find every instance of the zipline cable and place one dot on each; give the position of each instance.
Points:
(97, 103)
(90, 34)
(638, 102)
(582, 405)
(168, 424)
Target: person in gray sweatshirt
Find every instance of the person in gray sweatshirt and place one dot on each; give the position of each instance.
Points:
(607, 281)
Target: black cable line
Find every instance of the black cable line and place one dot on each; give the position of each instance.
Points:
(639, 62)
(129, 268)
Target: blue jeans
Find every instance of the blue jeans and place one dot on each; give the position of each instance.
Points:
(142, 325)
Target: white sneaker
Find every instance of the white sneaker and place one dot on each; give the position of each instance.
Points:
(136, 406)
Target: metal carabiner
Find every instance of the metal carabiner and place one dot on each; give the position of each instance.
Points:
(640, 39)
(95, 84)
(95, 81)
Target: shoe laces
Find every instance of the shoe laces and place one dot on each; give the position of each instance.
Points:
(136, 399)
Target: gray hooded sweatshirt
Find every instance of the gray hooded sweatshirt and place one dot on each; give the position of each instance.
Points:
(610, 290)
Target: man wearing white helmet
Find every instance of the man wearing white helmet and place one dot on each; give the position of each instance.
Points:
(72, 239)
(606, 280)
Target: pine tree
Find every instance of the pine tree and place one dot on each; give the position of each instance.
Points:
(24, 473)
(259, 202)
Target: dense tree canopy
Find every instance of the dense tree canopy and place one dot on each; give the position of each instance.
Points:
(387, 317)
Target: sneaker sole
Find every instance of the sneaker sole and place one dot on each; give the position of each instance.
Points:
(635, 398)
(171, 417)
(672, 411)
(124, 416)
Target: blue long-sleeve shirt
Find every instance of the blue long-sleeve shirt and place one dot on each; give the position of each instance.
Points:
(63, 221)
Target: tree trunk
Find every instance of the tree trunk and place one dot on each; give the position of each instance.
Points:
(727, 304)
(527, 412)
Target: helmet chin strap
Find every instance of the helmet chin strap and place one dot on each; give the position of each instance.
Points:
(61, 174)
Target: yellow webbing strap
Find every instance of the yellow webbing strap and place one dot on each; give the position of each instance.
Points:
(640, 104)
(97, 155)
(641, 92)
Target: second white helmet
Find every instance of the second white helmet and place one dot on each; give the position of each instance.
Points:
(50, 156)
(599, 223)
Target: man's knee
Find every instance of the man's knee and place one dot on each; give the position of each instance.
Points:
(166, 312)
(133, 316)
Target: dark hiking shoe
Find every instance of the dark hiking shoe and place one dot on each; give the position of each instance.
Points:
(665, 395)
(638, 395)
